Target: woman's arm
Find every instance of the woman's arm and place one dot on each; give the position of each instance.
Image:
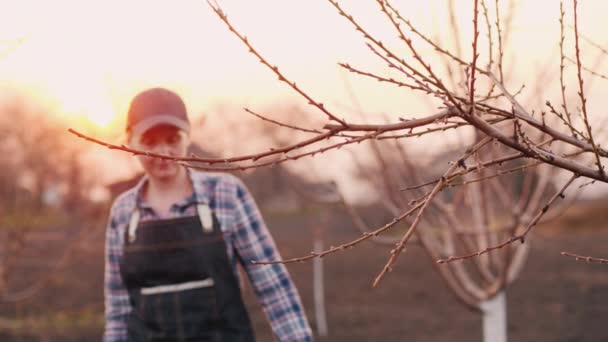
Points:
(272, 284)
(117, 305)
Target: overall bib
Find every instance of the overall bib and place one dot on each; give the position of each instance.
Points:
(180, 282)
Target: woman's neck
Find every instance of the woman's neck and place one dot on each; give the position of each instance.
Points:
(162, 193)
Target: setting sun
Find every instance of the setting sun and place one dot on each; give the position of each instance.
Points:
(92, 104)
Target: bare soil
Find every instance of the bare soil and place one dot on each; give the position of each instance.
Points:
(555, 299)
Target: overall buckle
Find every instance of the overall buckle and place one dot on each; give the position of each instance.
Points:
(206, 217)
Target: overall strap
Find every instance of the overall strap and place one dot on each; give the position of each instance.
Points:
(204, 214)
(133, 223)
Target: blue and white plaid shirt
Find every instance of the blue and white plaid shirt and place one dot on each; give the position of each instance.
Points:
(247, 239)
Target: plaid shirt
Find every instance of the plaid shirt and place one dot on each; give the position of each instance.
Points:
(247, 239)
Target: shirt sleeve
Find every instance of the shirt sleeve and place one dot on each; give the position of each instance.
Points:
(272, 284)
(117, 306)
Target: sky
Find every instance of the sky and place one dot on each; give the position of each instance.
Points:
(84, 60)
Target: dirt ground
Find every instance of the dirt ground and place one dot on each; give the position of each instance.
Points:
(555, 299)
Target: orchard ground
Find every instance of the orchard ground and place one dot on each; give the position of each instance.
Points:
(556, 298)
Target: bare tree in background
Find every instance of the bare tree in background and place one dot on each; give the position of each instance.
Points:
(474, 214)
(43, 192)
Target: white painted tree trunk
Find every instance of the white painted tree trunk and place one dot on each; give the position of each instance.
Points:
(319, 289)
(495, 318)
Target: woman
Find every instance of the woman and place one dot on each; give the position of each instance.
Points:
(174, 240)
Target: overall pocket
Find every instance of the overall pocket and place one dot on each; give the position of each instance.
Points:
(180, 312)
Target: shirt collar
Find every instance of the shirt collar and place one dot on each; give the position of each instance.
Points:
(198, 186)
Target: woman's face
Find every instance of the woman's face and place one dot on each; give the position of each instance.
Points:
(162, 139)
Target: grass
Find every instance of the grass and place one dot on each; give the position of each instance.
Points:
(34, 220)
(56, 323)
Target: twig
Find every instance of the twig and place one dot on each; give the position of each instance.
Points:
(253, 157)
(382, 79)
(515, 169)
(438, 187)
(442, 129)
(566, 121)
(455, 28)
(284, 158)
(408, 74)
(522, 114)
(306, 130)
(425, 38)
(562, 67)
(497, 174)
(520, 237)
(436, 80)
(592, 72)
(585, 258)
(547, 157)
(408, 124)
(468, 169)
(475, 55)
(490, 46)
(361, 225)
(581, 91)
(500, 48)
(497, 96)
(333, 130)
(345, 246)
(490, 40)
(591, 42)
(481, 165)
(378, 43)
(220, 13)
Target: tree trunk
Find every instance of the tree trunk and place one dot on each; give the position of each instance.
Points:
(318, 285)
(495, 318)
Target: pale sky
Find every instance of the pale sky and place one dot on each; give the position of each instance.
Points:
(86, 59)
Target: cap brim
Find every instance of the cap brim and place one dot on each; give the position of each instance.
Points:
(158, 120)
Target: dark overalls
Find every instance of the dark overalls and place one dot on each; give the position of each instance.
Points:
(180, 282)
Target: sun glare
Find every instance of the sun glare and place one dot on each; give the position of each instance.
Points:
(100, 113)
(84, 100)
(101, 120)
